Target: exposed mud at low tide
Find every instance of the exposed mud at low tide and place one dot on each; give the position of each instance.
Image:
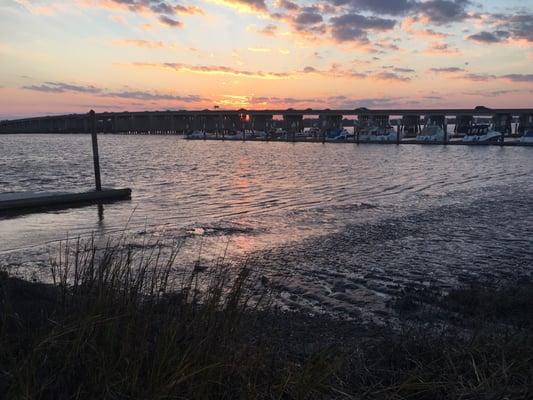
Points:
(366, 257)
(356, 272)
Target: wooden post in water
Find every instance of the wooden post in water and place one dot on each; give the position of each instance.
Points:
(96, 159)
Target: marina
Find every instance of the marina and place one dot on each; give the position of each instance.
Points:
(407, 126)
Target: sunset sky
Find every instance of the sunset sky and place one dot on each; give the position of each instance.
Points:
(60, 56)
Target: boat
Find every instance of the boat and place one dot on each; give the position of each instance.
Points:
(339, 134)
(374, 133)
(432, 132)
(481, 133)
(196, 134)
(302, 135)
(259, 134)
(279, 134)
(527, 137)
(313, 133)
(239, 135)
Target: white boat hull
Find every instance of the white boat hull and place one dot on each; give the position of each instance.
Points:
(391, 137)
(528, 137)
(196, 135)
(491, 136)
(433, 137)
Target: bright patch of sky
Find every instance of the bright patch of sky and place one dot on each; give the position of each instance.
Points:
(63, 56)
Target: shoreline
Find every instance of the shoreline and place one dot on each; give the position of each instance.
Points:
(356, 271)
(442, 339)
(226, 321)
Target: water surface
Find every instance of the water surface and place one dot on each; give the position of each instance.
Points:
(267, 196)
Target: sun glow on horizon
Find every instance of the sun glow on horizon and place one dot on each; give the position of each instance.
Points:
(61, 56)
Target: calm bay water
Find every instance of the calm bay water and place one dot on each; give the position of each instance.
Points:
(276, 196)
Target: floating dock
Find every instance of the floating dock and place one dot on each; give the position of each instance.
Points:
(12, 202)
(451, 141)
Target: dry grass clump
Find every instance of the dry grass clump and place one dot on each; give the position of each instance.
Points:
(121, 322)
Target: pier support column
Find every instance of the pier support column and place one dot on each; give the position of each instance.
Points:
(398, 134)
(503, 123)
(463, 124)
(293, 124)
(411, 125)
(525, 122)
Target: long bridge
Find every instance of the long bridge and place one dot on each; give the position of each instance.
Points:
(292, 120)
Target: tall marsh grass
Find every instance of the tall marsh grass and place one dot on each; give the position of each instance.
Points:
(126, 321)
(123, 322)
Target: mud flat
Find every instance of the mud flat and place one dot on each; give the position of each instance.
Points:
(362, 269)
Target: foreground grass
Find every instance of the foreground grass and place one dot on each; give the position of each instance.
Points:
(127, 323)
(123, 322)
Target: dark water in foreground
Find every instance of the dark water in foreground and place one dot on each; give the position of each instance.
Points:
(346, 225)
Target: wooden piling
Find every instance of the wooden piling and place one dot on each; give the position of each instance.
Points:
(96, 158)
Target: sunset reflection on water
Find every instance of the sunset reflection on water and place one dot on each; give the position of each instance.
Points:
(256, 194)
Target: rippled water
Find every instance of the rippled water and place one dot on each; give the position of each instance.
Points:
(280, 196)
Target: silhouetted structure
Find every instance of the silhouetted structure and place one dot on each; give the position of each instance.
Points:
(224, 121)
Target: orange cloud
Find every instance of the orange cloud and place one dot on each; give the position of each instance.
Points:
(389, 77)
(429, 34)
(247, 6)
(268, 30)
(233, 101)
(146, 44)
(217, 70)
(120, 19)
(408, 27)
(142, 7)
(441, 49)
(335, 71)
